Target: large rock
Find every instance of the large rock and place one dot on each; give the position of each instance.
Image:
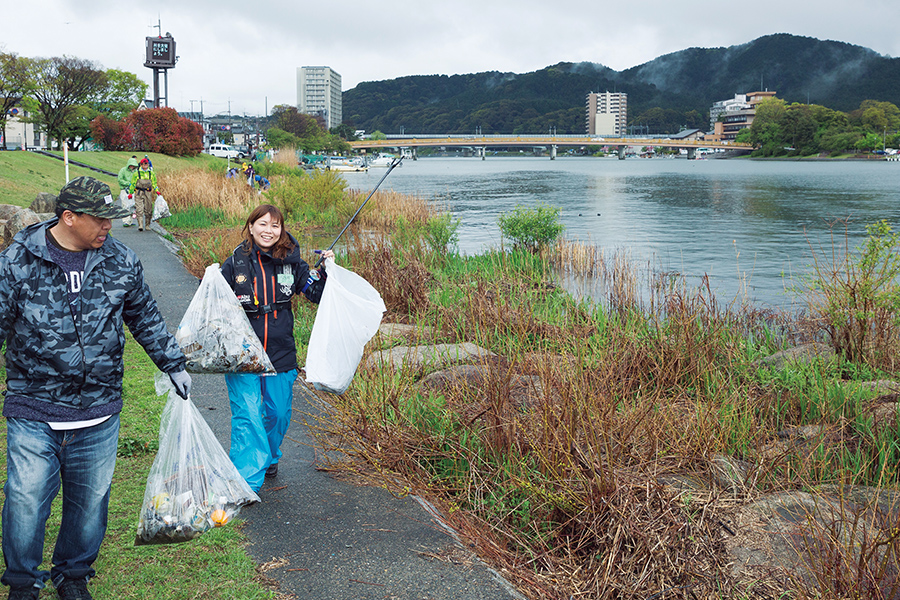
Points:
(524, 392)
(44, 203)
(813, 537)
(8, 210)
(420, 358)
(803, 354)
(17, 220)
(396, 333)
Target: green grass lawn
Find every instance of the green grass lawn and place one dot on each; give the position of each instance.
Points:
(24, 174)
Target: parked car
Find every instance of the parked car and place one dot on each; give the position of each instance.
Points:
(224, 151)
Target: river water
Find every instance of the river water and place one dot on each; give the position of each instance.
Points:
(746, 225)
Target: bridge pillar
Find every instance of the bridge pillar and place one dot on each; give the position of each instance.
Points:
(692, 153)
(621, 151)
(483, 150)
(553, 152)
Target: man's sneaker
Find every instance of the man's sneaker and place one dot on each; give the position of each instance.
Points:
(272, 471)
(73, 589)
(24, 593)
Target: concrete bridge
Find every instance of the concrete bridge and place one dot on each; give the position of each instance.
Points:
(480, 143)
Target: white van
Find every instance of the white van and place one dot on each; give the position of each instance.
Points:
(225, 151)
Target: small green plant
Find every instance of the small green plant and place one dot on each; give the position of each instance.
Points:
(857, 297)
(441, 233)
(317, 197)
(531, 228)
(406, 234)
(129, 446)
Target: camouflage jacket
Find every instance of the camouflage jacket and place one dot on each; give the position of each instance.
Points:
(68, 358)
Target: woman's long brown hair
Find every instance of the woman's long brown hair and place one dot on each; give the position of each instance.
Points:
(283, 246)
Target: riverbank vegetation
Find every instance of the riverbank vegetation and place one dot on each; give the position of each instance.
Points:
(551, 457)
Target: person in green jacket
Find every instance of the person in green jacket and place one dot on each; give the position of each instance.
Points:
(145, 189)
(125, 176)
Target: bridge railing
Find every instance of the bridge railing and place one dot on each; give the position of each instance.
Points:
(527, 140)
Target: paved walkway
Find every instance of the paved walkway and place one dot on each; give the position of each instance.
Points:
(325, 539)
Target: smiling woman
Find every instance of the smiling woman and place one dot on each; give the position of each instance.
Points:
(266, 272)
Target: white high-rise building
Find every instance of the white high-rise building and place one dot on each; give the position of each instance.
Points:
(607, 113)
(319, 93)
(725, 107)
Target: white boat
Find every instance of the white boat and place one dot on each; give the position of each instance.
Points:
(342, 163)
(383, 159)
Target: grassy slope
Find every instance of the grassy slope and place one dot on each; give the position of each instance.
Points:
(24, 174)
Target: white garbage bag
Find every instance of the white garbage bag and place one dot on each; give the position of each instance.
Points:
(160, 208)
(348, 316)
(127, 203)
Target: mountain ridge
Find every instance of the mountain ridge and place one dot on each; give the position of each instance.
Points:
(671, 91)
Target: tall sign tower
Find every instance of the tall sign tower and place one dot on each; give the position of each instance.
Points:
(160, 57)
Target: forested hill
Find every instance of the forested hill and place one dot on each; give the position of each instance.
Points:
(667, 93)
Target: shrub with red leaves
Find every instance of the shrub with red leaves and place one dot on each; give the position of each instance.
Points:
(111, 134)
(162, 130)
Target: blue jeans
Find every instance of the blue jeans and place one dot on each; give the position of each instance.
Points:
(260, 416)
(38, 459)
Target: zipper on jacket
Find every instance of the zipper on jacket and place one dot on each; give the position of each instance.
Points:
(265, 300)
(75, 324)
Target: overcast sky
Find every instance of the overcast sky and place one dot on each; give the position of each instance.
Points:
(244, 56)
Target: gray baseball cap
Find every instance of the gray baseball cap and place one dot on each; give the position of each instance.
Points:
(91, 197)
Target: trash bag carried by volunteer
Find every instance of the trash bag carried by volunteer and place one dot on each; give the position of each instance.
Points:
(160, 208)
(193, 485)
(126, 202)
(348, 316)
(215, 333)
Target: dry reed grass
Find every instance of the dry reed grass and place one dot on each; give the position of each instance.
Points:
(386, 208)
(615, 272)
(562, 486)
(562, 490)
(286, 156)
(202, 188)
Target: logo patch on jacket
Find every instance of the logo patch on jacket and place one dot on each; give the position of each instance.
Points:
(240, 278)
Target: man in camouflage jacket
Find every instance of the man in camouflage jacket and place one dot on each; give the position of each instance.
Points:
(66, 289)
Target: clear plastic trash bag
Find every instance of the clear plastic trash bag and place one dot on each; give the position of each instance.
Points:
(215, 333)
(126, 202)
(348, 316)
(192, 486)
(160, 208)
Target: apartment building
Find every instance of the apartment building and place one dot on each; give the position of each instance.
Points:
(607, 113)
(21, 135)
(319, 93)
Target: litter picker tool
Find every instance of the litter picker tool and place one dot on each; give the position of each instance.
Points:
(390, 168)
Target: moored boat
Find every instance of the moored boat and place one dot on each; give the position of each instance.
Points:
(342, 163)
(384, 159)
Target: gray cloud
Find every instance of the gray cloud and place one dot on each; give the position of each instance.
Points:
(245, 56)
